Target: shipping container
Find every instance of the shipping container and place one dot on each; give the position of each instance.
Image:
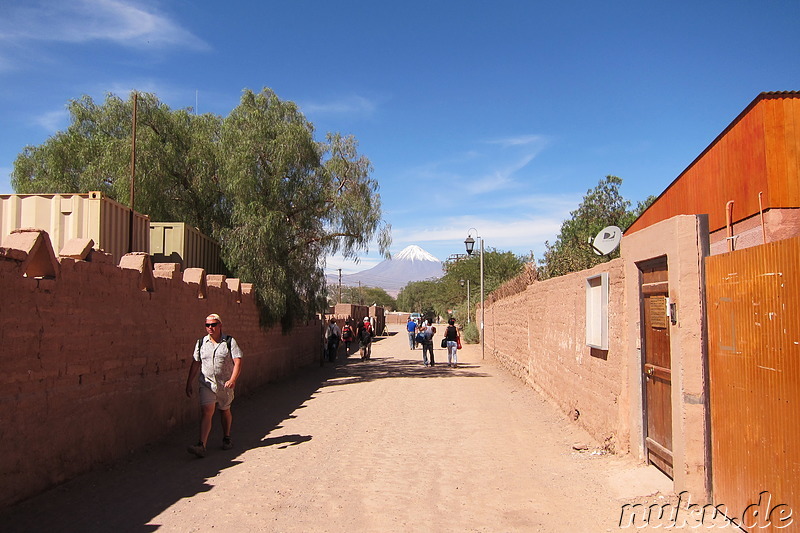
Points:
(178, 242)
(72, 216)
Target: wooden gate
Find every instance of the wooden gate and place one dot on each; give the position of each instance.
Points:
(753, 301)
(657, 363)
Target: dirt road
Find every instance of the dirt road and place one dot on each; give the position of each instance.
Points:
(384, 445)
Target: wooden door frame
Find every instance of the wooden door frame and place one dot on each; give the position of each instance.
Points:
(652, 263)
(684, 240)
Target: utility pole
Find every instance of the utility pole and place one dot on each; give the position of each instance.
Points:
(133, 173)
(340, 285)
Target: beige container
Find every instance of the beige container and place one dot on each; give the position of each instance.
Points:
(72, 216)
(178, 242)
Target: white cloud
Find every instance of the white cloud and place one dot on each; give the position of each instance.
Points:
(351, 105)
(349, 266)
(480, 172)
(131, 24)
(519, 233)
(522, 232)
(540, 141)
(53, 121)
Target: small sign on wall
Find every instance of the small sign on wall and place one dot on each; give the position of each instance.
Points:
(658, 311)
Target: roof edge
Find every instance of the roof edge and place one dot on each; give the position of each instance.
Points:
(767, 95)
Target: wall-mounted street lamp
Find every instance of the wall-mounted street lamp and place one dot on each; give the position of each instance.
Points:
(470, 244)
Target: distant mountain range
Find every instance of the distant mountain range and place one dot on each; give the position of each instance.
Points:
(391, 275)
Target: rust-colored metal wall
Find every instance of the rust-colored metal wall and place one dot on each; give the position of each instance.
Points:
(758, 152)
(753, 300)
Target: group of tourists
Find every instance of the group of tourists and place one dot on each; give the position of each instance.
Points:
(422, 334)
(217, 363)
(333, 335)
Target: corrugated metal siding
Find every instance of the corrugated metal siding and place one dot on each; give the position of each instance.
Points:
(178, 242)
(754, 369)
(758, 152)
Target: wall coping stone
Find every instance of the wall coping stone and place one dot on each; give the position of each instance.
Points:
(32, 248)
(79, 249)
(139, 261)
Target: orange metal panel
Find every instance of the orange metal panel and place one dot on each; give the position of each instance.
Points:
(753, 300)
(758, 152)
(791, 140)
(775, 144)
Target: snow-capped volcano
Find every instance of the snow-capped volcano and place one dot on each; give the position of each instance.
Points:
(414, 253)
(411, 264)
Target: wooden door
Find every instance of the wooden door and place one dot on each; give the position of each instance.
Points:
(656, 364)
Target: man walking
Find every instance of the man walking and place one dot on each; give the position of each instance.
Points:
(365, 334)
(411, 327)
(217, 361)
(427, 344)
(332, 336)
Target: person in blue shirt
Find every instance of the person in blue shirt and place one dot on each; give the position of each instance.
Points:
(412, 333)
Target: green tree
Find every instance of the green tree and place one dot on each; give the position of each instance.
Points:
(418, 297)
(602, 206)
(447, 296)
(176, 163)
(277, 200)
(361, 296)
(379, 297)
(498, 267)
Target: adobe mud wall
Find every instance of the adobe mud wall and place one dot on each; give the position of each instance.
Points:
(95, 367)
(540, 336)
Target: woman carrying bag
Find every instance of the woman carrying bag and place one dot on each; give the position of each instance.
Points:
(453, 343)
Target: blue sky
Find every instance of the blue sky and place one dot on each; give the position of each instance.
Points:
(497, 116)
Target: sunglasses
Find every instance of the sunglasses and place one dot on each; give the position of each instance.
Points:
(212, 325)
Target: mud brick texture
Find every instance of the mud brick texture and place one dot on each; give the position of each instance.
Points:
(95, 367)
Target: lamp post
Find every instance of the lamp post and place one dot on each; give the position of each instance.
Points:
(462, 282)
(470, 244)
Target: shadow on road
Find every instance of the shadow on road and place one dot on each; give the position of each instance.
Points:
(353, 370)
(125, 496)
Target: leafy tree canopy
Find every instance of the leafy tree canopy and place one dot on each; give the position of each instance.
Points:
(602, 206)
(277, 200)
(447, 296)
(362, 296)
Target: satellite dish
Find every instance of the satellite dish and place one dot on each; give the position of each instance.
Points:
(607, 240)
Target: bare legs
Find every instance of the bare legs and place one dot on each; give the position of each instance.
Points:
(207, 417)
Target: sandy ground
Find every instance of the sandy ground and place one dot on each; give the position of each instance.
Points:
(384, 445)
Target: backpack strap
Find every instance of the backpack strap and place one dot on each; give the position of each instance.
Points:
(228, 340)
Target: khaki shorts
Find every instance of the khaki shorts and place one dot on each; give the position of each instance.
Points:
(223, 397)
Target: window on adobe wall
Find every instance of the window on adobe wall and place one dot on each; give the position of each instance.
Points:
(597, 311)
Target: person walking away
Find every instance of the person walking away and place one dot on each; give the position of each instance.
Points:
(332, 336)
(427, 344)
(365, 334)
(347, 336)
(452, 337)
(411, 327)
(216, 365)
